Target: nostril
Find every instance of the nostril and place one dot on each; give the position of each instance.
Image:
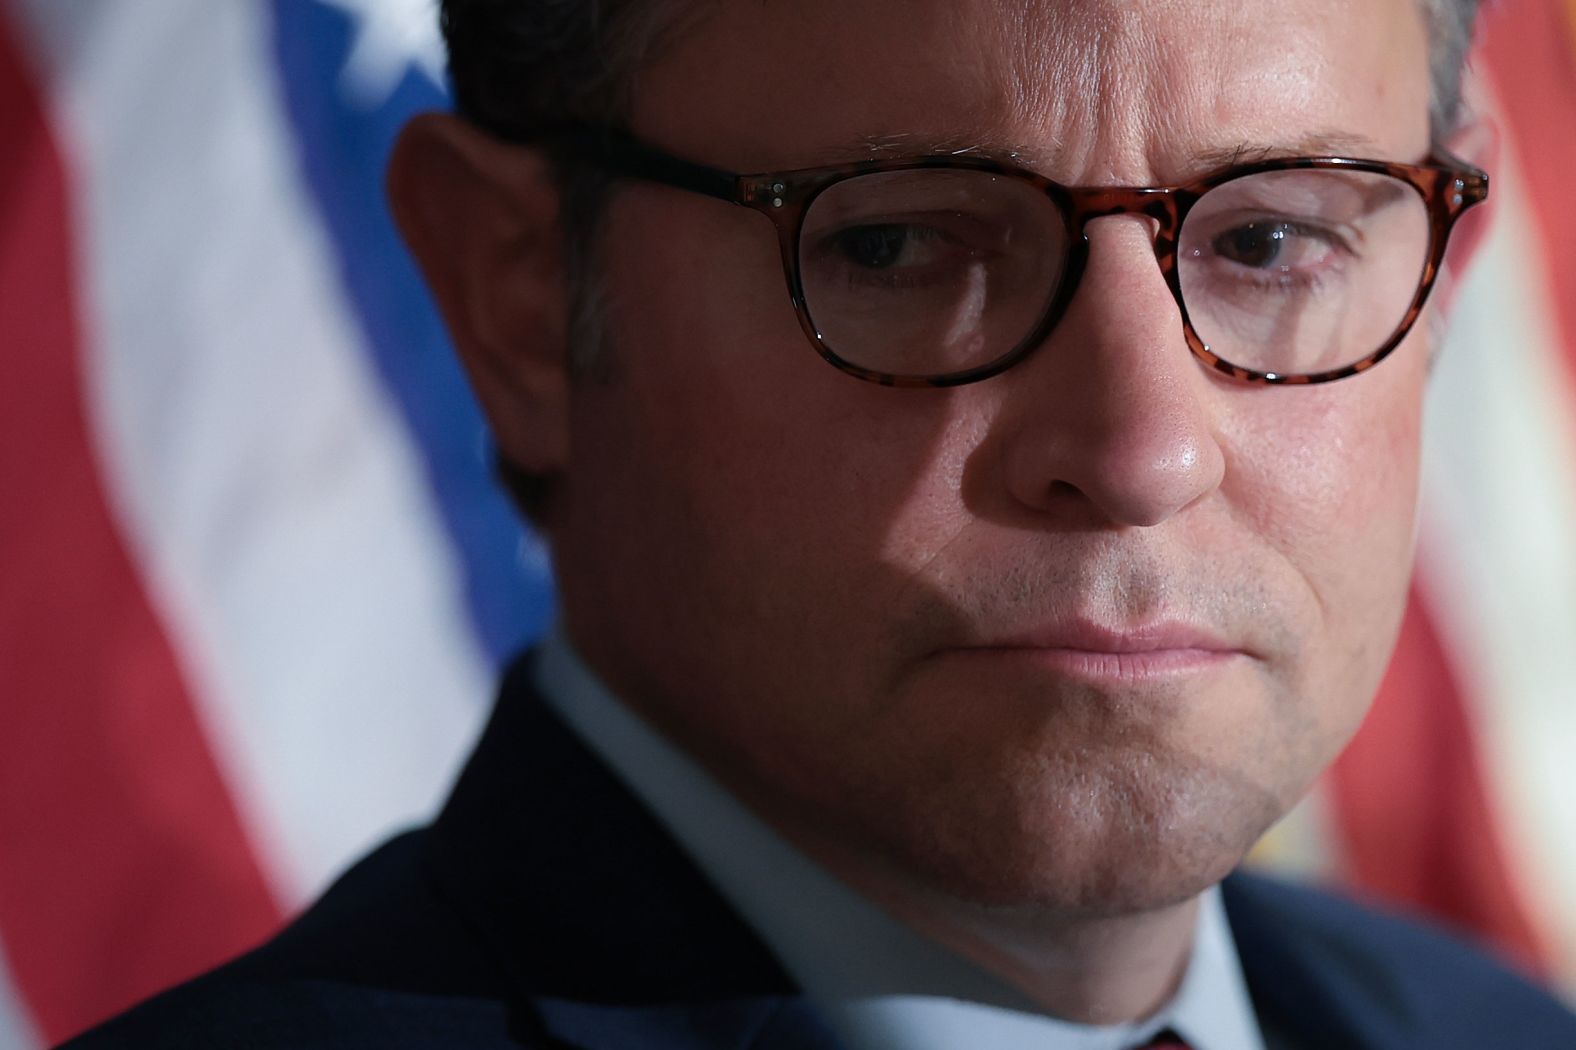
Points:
(1062, 489)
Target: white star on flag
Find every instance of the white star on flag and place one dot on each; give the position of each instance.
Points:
(391, 36)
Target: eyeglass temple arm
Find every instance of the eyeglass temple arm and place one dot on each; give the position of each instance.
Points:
(619, 154)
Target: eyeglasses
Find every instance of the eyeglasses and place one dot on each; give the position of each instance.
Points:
(943, 270)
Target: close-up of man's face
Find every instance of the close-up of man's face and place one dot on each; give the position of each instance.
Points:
(1100, 618)
(841, 524)
(937, 492)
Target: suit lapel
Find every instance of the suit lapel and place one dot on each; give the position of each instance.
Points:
(609, 934)
(764, 1023)
(1310, 979)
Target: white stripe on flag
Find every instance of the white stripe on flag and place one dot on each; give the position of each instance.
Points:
(268, 489)
(1498, 548)
(16, 1027)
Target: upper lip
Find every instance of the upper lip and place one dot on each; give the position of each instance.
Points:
(1087, 636)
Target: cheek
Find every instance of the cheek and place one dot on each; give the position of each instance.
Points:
(1332, 486)
(765, 484)
(1335, 479)
(756, 432)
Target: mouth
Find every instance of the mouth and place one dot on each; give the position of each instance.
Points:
(1085, 650)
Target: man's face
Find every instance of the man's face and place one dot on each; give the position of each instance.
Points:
(904, 621)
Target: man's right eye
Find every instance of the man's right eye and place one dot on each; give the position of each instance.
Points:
(874, 247)
(891, 255)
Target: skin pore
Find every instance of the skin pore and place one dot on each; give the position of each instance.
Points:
(893, 620)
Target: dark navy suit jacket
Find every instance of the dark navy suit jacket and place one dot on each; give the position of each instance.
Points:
(546, 908)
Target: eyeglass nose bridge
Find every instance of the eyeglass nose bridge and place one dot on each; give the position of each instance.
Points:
(1167, 206)
(1164, 204)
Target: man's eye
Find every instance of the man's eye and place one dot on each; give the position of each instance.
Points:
(1274, 244)
(1256, 244)
(874, 247)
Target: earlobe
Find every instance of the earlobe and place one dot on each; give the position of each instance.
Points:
(482, 219)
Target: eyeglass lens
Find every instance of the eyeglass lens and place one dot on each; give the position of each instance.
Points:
(934, 271)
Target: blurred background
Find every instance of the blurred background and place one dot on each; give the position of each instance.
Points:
(256, 582)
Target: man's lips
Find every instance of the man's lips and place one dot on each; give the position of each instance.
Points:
(1083, 649)
(1088, 636)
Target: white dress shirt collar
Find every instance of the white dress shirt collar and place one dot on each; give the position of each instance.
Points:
(879, 985)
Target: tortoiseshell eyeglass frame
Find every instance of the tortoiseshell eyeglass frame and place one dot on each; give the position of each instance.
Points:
(1447, 185)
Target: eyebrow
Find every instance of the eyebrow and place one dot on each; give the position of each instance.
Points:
(1319, 144)
(1041, 155)
(913, 144)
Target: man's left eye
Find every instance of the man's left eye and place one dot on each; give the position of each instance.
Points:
(1276, 243)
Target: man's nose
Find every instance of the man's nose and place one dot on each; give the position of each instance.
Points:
(1115, 417)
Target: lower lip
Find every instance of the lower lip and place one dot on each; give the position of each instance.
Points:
(1104, 666)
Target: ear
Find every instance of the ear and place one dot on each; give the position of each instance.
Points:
(482, 219)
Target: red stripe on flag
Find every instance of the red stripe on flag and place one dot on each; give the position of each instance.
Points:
(123, 864)
(1528, 50)
(1413, 810)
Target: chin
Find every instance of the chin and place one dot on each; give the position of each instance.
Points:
(1084, 838)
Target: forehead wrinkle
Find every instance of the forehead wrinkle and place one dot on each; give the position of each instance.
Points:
(1046, 73)
(1088, 92)
(1049, 82)
(1128, 55)
(1094, 78)
(1068, 74)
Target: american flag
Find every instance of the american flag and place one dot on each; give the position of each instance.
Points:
(256, 582)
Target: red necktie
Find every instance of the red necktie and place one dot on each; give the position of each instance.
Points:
(1166, 1040)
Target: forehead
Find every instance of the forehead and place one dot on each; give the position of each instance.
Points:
(1090, 90)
